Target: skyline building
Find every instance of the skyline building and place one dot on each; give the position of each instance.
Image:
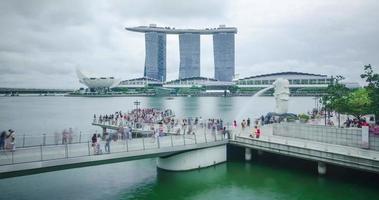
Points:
(224, 57)
(189, 47)
(155, 59)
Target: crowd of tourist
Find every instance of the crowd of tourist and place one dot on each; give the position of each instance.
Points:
(355, 123)
(7, 140)
(136, 117)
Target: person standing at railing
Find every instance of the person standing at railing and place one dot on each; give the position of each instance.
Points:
(94, 139)
(98, 139)
(64, 136)
(70, 135)
(257, 132)
(12, 140)
(2, 140)
(107, 143)
(234, 124)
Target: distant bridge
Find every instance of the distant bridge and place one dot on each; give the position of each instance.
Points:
(32, 90)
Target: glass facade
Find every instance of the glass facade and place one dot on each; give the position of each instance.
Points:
(155, 60)
(223, 49)
(189, 45)
(291, 82)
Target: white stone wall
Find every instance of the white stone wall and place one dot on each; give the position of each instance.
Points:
(333, 135)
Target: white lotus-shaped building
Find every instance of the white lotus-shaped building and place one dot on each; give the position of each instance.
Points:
(96, 82)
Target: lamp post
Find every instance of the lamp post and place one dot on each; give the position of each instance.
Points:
(136, 104)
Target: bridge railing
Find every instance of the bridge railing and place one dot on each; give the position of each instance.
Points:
(25, 140)
(86, 148)
(333, 135)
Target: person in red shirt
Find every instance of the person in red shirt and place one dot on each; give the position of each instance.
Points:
(257, 132)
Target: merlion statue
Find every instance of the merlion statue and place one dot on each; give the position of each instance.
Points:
(282, 95)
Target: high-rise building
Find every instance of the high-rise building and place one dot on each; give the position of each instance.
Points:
(155, 60)
(189, 46)
(223, 50)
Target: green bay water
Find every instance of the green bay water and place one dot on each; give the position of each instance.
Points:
(266, 177)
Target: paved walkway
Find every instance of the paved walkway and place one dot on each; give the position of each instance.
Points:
(267, 135)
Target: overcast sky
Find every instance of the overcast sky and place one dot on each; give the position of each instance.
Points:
(43, 41)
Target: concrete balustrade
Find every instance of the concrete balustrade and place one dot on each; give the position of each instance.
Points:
(351, 137)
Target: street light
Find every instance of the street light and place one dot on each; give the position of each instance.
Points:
(136, 104)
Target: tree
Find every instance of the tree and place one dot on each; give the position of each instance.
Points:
(372, 88)
(357, 103)
(335, 100)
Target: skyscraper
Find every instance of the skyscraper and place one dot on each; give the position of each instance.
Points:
(223, 49)
(189, 46)
(155, 60)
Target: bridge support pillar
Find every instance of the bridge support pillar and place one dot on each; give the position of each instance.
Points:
(247, 154)
(260, 152)
(321, 168)
(194, 159)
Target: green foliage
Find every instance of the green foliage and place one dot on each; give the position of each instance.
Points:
(354, 102)
(373, 88)
(303, 117)
(233, 89)
(335, 98)
(358, 103)
(371, 78)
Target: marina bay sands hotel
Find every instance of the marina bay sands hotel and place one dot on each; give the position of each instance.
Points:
(189, 45)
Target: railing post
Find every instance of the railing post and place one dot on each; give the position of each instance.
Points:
(66, 150)
(127, 145)
(23, 141)
(89, 151)
(184, 140)
(41, 152)
(12, 157)
(205, 137)
(44, 139)
(195, 138)
(143, 142)
(159, 146)
(215, 136)
(80, 137)
(172, 144)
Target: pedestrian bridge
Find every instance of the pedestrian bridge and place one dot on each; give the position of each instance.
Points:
(320, 144)
(174, 152)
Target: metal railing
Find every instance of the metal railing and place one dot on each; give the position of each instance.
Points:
(25, 140)
(85, 148)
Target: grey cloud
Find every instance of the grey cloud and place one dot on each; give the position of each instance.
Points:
(43, 41)
(159, 9)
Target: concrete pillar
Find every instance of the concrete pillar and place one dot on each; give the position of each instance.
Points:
(247, 154)
(321, 168)
(193, 159)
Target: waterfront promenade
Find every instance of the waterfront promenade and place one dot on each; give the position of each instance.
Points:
(340, 147)
(321, 152)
